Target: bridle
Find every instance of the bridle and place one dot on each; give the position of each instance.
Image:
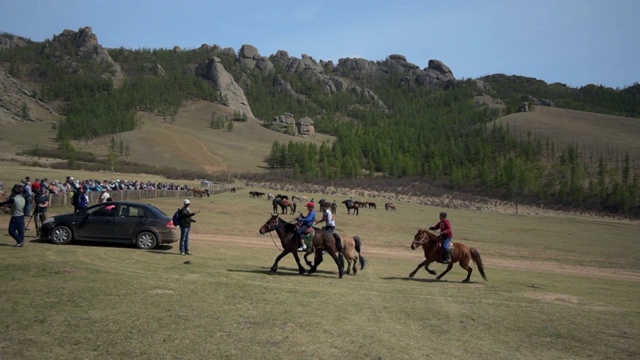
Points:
(425, 238)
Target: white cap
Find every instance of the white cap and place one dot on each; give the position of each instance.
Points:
(186, 202)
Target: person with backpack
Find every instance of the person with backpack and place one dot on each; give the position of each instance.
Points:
(186, 218)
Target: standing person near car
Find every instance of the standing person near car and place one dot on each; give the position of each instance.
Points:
(444, 225)
(186, 218)
(16, 224)
(41, 206)
(327, 217)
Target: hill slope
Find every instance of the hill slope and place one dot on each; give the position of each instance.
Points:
(604, 132)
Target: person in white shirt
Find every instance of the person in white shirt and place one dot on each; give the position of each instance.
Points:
(327, 218)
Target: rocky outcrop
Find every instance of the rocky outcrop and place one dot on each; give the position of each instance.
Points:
(12, 41)
(305, 127)
(231, 93)
(250, 59)
(86, 44)
(284, 123)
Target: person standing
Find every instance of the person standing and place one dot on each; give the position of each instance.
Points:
(28, 197)
(327, 218)
(104, 195)
(186, 218)
(40, 211)
(305, 222)
(16, 224)
(444, 225)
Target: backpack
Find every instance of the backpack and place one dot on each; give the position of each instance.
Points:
(176, 217)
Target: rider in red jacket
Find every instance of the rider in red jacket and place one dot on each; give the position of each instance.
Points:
(447, 234)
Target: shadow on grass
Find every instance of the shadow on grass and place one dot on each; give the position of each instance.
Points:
(159, 249)
(433, 280)
(285, 271)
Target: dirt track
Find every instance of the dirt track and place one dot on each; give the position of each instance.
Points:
(413, 258)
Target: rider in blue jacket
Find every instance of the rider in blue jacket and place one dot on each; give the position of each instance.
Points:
(305, 222)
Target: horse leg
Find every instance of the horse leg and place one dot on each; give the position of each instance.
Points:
(338, 259)
(355, 263)
(306, 260)
(301, 269)
(426, 267)
(449, 267)
(464, 263)
(316, 261)
(284, 252)
(425, 262)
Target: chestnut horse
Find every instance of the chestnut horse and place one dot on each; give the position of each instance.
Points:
(432, 246)
(322, 241)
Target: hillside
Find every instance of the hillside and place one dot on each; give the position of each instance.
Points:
(214, 111)
(600, 132)
(188, 142)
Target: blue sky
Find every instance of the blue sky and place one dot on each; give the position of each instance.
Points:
(576, 42)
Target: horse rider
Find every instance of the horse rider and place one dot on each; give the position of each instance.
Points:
(327, 217)
(444, 225)
(304, 223)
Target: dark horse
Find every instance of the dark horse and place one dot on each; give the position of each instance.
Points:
(432, 252)
(352, 205)
(284, 204)
(322, 241)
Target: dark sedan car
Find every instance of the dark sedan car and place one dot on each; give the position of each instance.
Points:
(126, 222)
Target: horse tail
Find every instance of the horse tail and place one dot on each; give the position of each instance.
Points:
(341, 260)
(358, 242)
(475, 255)
(338, 242)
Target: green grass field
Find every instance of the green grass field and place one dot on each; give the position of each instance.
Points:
(560, 287)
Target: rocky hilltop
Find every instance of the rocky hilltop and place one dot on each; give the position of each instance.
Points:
(334, 78)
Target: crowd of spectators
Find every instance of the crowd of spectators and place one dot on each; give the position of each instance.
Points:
(62, 187)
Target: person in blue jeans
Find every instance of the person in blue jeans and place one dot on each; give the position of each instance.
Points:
(186, 218)
(16, 224)
(444, 225)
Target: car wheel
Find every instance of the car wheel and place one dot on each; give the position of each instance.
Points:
(61, 235)
(146, 240)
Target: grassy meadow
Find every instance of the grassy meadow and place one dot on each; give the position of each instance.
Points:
(559, 287)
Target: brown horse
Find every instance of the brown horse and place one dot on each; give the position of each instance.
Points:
(350, 251)
(389, 206)
(322, 241)
(352, 205)
(197, 192)
(285, 205)
(432, 252)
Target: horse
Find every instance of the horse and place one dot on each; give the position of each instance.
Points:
(433, 252)
(389, 206)
(352, 205)
(371, 205)
(294, 198)
(351, 252)
(284, 204)
(197, 192)
(322, 241)
(334, 207)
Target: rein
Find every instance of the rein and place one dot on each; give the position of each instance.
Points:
(271, 228)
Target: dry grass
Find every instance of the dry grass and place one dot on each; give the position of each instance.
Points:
(604, 132)
(559, 288)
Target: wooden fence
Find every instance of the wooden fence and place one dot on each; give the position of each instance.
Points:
(57, 200)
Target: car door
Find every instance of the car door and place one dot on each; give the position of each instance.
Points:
(96, 223)
(128, 222)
